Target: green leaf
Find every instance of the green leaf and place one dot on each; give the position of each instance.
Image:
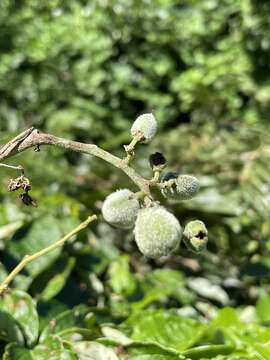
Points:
(153, 357)
(90, 350)
(165, 328)
(15, 352)
(52, 349)
(42, 233)
(211, 201)
(49, 310)
(56, 283)
(114, 337)
(226, 318)
(207, 289)
(159, 284)
(21, 307)
(3, 272)
(8, 230)
(261, 349)
(254, 339)
(208, 351)
(11, 216)
(262, 308)
(228, 323)
(10, 329)
(121, 279)
(76, 320)
(250, 339)
(138, 350)
(151, 295)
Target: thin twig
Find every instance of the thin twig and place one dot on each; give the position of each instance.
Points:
(33, 138)
(18, 167)
(28, 258)
(11, 146)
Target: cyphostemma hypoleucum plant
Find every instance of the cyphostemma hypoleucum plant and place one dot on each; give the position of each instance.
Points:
(157, 231)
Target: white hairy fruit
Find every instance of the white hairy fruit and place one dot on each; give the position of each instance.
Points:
(146, 125)
(185, 188)
(120, 209)
(157, 232)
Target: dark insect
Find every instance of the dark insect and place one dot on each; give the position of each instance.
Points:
(27, 199)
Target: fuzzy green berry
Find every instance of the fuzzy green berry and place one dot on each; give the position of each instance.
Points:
(196, 236)
(187, 186)
(184, 187)
(146, 125)
(120, 209)
(157, 232)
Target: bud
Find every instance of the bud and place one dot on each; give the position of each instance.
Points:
(185, 187)
(120, 209)
(146, 125)
(196, 236)
(157, 161)
(157, 232)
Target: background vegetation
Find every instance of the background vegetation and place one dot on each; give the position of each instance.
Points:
(85, 70)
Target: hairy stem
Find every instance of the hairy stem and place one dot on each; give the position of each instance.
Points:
(28, 258)
(34, 138)
(155, 178)
(131, 147)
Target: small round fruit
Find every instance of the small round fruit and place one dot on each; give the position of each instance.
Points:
(120, 209)
(146, 125)
(157, 232)
(196, 236)
(187, 186)
(184, 188)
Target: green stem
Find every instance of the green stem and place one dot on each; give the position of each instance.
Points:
(155, 178)
(131, 147)
(28, 258)
(164, 185)
(140, 195)
(102, 154)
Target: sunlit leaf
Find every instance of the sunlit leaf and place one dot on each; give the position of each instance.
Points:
(20, 307)
(165, 328)
(87, 350)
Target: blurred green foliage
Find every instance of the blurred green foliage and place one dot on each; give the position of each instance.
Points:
(85, 70)
(81, 65)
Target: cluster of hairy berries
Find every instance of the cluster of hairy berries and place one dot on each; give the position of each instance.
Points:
(157, 231)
